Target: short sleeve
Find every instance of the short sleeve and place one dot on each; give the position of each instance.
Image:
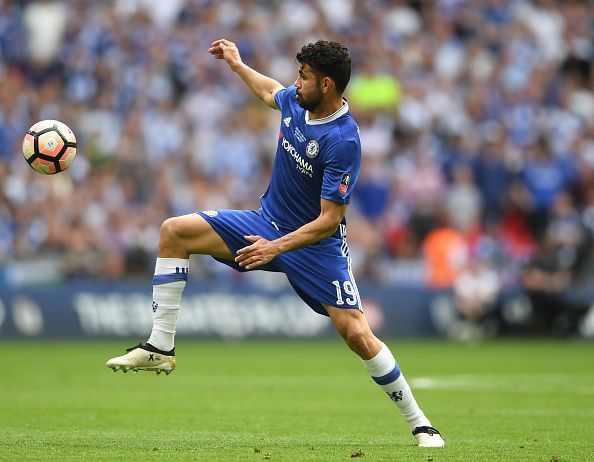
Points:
(341, 171)
(281, 96)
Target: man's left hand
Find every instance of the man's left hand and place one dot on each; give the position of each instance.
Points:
(257, 254)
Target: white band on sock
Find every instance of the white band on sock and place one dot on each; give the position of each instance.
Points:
(381, 364)
(168, 265)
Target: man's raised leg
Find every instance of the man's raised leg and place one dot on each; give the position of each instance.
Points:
(379, 361)
(180, 237)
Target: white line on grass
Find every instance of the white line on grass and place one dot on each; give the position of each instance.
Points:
(511, 383)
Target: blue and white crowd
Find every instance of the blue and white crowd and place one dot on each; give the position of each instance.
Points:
(476, 117)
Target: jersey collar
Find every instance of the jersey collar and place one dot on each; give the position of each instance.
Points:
(342, 111)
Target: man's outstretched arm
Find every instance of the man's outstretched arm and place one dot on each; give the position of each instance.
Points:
(262, 250)
(263, 87)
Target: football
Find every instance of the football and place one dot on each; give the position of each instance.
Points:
(49, 147)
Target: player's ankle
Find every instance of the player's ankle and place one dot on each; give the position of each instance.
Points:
(164, 341)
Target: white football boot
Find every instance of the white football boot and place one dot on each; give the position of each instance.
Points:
(144, 357)
(428, 437)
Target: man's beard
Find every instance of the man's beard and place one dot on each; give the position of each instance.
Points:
(312, 103)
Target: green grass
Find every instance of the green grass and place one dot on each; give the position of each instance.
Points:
(296, 401)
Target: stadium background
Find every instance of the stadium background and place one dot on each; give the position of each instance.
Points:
(473, 218)
(474, 213)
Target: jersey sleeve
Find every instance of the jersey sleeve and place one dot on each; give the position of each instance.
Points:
(341, 171)
(281, 96)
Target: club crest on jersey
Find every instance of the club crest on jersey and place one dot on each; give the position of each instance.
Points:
(312, 149)
(344, 183)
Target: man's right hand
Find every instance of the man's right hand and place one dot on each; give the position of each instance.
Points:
(227, 50)
(263, 87)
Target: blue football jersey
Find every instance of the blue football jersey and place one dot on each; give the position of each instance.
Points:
(314, 159)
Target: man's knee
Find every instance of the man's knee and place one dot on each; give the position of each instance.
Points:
(169, 227)
(173, 235)
(355, 334)
(353, 328)
(192, 234)
(169, 232)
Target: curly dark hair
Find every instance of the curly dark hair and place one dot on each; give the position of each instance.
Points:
(328, 59)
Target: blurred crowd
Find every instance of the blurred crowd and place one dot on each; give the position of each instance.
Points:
(476, 119)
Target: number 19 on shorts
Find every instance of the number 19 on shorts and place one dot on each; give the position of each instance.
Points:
(349, 290)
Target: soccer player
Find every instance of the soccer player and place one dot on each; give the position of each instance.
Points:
(299, 230)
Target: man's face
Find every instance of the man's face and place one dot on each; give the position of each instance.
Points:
(309, 93)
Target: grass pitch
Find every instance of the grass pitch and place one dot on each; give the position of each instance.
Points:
(296, 401)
